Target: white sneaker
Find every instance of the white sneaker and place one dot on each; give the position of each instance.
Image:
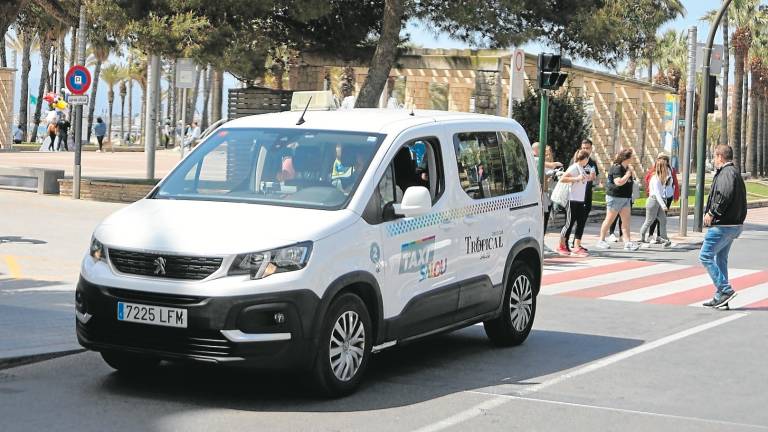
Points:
(631, 246)
(613, 239)
(602, 244)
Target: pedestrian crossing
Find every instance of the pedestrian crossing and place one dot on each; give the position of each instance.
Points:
(648, 282)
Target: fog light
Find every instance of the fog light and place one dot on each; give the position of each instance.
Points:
(279, 318)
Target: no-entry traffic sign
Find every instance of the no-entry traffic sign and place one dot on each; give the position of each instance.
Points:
(78, 79)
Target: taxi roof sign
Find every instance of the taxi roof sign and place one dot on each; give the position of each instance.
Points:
(322, 100)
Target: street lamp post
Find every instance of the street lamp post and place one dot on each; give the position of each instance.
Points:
(698, 214)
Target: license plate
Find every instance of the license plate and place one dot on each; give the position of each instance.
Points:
(150, 314)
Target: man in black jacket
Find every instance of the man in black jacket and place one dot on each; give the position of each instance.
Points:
(724, 215)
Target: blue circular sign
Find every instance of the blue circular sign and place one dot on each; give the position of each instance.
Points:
(78, 79)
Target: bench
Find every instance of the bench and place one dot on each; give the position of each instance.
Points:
(40, 180)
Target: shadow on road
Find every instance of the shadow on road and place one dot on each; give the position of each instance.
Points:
(414, 373)
(17, 239)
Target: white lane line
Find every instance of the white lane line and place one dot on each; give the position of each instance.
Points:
(47, 288)
(745, 296)
(625, 411)
(671, 287)
(478, 409)
(553, 268)
(606, 278)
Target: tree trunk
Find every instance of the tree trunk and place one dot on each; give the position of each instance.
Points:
(130, 106)
(45, 55)
(738, 87)
(207, 81)
(110, 104)
(753, 120)
(744, 118)
(632, 67)
(73, 48)
(726, 69)
(650, 69)
(384, 56)
(122, 118)
(217, 87)
(26, 65)
(760, 136)
(92, 105)
(174, 95)
(143, 120)
(60, 67)
(3, 58)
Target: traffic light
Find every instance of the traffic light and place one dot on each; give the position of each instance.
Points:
(712, 93)
(550, 77)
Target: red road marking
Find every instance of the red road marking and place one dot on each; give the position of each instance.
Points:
(707, 291)
(593, 271)
(636, 283)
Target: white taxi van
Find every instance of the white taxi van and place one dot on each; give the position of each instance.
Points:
(310, 243)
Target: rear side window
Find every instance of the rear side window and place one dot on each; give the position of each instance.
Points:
(515, 163)
(490, 164)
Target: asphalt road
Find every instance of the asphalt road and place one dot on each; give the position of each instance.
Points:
(588, 365)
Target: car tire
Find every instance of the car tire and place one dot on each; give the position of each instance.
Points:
(129, 363)
(514, 323)
(346, 339)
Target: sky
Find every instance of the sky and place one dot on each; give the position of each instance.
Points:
(419, 35)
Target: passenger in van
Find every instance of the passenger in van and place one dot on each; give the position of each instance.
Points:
(339, 170)
(405, 170)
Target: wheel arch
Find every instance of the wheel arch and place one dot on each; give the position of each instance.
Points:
(528, 250)
(365, 286)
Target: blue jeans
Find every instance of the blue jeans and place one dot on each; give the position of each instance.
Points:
(714, 255)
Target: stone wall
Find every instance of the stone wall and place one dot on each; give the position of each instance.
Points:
(105, 190)
(6, 106)
(624, 112)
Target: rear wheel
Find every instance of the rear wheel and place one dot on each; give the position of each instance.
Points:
(519, 308)
(129, 363)
(345, 346)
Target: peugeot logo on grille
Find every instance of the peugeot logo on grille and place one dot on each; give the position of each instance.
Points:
(160, 266)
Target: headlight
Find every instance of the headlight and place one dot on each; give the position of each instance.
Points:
(97, 250)
(262, 264)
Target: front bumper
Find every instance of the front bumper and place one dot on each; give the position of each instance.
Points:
(239, 330)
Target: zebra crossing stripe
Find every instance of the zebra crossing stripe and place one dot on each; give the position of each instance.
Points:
(672, 286)
(572, 275)
(599, 276)
(746, 297)
(654, 275)
(705, 292)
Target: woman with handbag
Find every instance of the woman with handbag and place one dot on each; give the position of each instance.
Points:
(620, 190)
(656, 207)
(575, 210)
(671, 190)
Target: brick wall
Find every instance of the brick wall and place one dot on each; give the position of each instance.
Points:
(6, 106)
(99, 190)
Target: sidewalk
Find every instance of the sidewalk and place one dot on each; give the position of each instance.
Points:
(592, 232)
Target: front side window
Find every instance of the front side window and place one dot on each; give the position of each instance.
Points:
(300, 168)
(416, 163)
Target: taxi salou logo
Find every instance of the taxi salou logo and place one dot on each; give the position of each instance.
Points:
(419, 257)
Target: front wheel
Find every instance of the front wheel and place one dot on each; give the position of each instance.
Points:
(518, 310)
(345, 346)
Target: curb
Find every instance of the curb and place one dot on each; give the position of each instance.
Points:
(11, 362)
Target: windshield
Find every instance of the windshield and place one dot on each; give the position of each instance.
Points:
(300, 168)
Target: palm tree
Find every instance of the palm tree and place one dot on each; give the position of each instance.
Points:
(27, 39)
(744, 16)
(99, 49)
(138, 72)
(123, 92)
(111, 75)
(47, 36)
(758, 62)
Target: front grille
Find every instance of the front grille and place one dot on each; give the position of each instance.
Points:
(155, 298)
(176, 266)
(208, 343)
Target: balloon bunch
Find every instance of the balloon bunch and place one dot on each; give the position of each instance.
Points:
(55, 101)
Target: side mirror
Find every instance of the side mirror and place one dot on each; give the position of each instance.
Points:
(416, 202)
